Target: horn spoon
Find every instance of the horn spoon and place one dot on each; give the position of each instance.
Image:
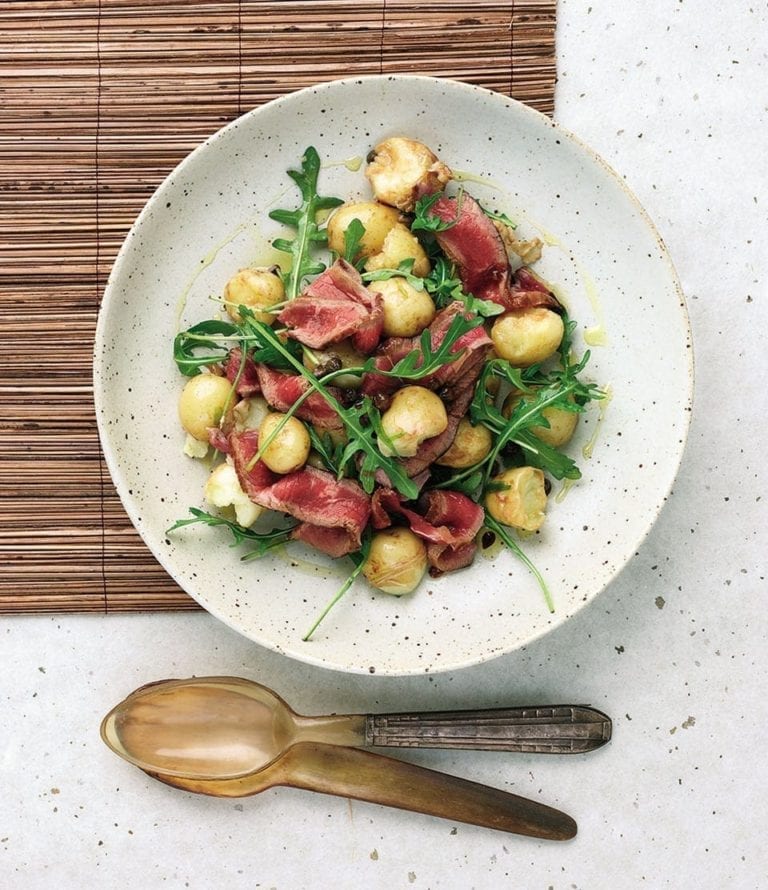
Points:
(362, 775)
(228, 727)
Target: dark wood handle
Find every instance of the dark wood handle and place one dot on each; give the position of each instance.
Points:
(555, 729)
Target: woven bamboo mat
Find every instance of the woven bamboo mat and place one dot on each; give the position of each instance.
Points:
(100, 99)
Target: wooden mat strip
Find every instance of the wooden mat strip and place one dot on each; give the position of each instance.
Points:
(100, 100)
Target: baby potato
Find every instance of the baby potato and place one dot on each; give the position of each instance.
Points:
(527, 336)
(223, 490)
(401, 170)
(407, 311)
(377, 219)
(472, 443)
(202, 403)
(289, 450)
(562, 423)
(414, 415)
(256, 289)
(523, 502)
(400, 244)
(396, 562)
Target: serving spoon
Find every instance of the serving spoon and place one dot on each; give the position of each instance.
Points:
(362, 775)
(228, 737)
(214, 728)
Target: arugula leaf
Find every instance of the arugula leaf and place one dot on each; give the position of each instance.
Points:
(223, 336)
(501, 217)
(363, 421)
(431, 247)
(404, 270)
(266, 355)
(353, 235)
(263, 351)
(492, 525)
(304, 220)
(444, 287)
(372, 413)
(484, 308)
(423, 220)
(566, 344)
(359, 560)
(205, 335)
(546, 457)
(442, 281)
(527, 414)
(559, 388)
(468, 482)
(234, 383)
(369, 418)
(264, 541)
(422, 362)
(330, 452)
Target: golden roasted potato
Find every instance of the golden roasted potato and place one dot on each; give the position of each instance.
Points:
(415, 414)
(400, 244)
(472, 444)
(522, 502)
(377, 220)
(528, 336)
(202, 403)
(255, 289)
(401, 170)
(396, 562)
(407, 311)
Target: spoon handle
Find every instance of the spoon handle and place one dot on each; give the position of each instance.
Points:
(557, 729)
(362, 775)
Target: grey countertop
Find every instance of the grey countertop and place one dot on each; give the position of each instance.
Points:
(674, 96)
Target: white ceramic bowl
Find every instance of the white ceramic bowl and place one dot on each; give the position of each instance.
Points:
(209, 218)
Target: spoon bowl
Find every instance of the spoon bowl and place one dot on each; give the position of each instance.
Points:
(210, 728)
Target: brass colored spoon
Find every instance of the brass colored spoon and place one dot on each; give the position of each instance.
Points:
(350, 772)
(213, 728)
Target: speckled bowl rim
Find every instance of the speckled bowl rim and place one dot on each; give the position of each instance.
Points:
(504, 102)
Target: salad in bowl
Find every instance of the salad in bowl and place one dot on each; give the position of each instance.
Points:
(397, 392)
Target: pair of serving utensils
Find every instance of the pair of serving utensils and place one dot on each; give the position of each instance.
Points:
(231, 737)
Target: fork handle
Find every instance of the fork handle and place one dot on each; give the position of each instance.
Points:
(554, 729)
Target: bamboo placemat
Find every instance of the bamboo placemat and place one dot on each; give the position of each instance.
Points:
(99, 100)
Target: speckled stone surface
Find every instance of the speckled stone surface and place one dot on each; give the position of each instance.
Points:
(670, 94)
